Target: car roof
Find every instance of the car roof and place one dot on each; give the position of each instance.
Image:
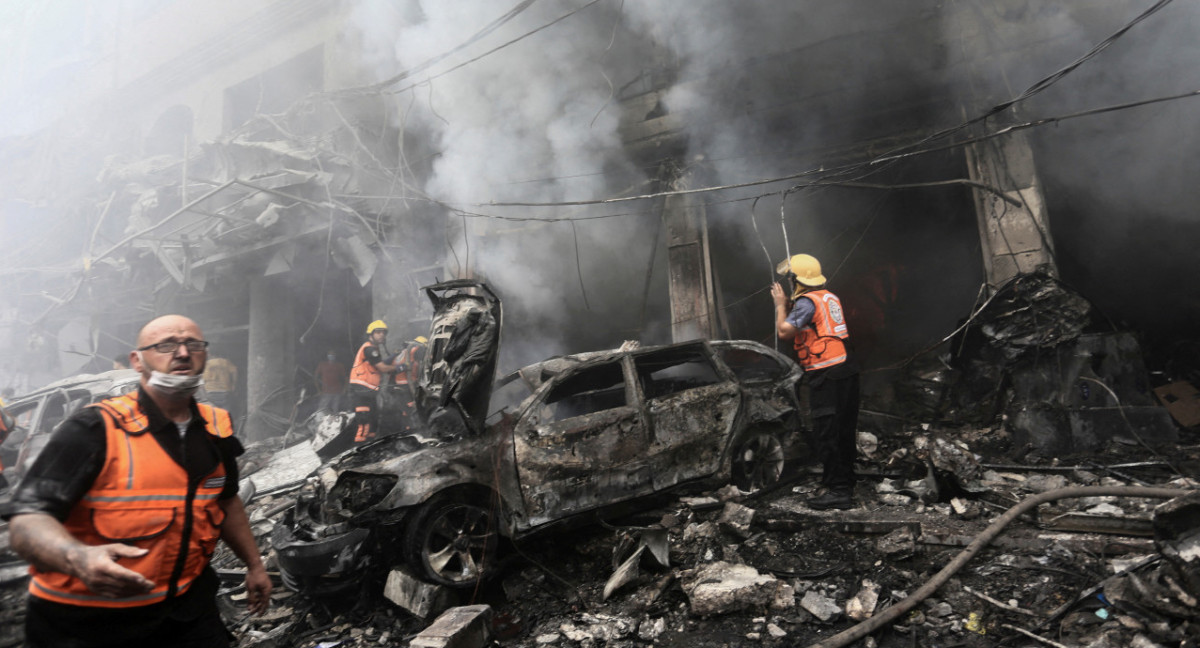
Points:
(95, 383)
(539, 372)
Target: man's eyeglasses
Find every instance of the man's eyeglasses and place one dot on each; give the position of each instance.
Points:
(194, 346)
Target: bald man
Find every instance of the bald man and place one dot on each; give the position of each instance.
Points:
(120, 513)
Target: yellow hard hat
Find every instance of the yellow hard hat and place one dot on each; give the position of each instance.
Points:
(421, 339)
(376, 326)
(805, 267)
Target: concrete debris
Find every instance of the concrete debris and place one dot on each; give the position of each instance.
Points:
(651, 629)
(820, 606)
(736, 519)
(422, 599)
(460, 627)
(897, 545)
(862, 606)
(598, 629)
(722, 588)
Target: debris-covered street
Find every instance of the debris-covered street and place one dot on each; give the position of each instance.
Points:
(591, 323)
(768, 571)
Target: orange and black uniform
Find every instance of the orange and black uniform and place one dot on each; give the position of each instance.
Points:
(120, 471)
(823, 348)
(364, 390)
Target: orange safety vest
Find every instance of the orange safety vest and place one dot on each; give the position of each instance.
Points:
(140, 498)
(364, 373)
(409, 358)
(819, 345)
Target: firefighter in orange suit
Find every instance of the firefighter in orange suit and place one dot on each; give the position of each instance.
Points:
(813, 319)
(371, 364)
(120, 513)
(408, 368)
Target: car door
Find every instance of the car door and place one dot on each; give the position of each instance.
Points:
(582, 443)
(692, 410)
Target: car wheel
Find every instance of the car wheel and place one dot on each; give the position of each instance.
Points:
(453, 540)
(758, 461)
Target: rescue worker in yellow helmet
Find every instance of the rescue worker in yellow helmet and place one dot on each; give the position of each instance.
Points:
(408, 366)
(371, 364)
(812, 317)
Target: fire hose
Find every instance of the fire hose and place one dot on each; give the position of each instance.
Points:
(982, 540)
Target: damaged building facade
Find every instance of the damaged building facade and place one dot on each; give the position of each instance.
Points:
(262, 171)
(286, 171)
(206, 180)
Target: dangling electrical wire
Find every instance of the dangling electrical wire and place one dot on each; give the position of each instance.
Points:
(579, 268)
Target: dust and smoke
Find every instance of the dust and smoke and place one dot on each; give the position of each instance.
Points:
(527, 102)
(761, 90)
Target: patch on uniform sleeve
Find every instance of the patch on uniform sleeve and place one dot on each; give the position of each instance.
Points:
(215, 482)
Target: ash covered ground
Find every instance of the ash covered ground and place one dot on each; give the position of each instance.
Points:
(925, 494)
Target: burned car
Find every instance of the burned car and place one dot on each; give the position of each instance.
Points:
(36, 414)
(572, 438)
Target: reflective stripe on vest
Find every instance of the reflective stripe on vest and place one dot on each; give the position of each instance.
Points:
(140, 498)
(364, 373)
(819, 345)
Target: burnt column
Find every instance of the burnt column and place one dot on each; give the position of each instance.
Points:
(270, 376)
(689, 266)
(1013, 227)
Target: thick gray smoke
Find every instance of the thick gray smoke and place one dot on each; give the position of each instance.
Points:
(534, 110)
(536, 122)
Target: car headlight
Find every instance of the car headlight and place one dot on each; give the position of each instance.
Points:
(357, 492)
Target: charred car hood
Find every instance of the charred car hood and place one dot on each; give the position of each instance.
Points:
(401, 471)
(455, 384)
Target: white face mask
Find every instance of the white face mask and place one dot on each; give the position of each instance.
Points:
(331, 357)
(174, 383)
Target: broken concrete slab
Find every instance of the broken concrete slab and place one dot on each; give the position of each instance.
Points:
(898, 545)
(862, 606)
(460, 627)
(422, 599)
(820, 606)
(736, 519)
(721, 587)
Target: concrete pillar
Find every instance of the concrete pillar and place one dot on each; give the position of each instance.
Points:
(271, 358)
(1015, 233)
(690, 280)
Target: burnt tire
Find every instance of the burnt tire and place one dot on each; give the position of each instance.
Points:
(757, 460)
(453, 539)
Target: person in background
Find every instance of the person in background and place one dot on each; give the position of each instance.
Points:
(813, 319)
(408, 367)
(331, 382)
(371, 364)
(120, 514)
(220, 383)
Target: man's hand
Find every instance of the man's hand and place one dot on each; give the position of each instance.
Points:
(258, 590)
(777, 295)
(97, 567)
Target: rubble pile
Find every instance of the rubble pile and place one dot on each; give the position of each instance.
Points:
(766, 570)
(724, 569)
